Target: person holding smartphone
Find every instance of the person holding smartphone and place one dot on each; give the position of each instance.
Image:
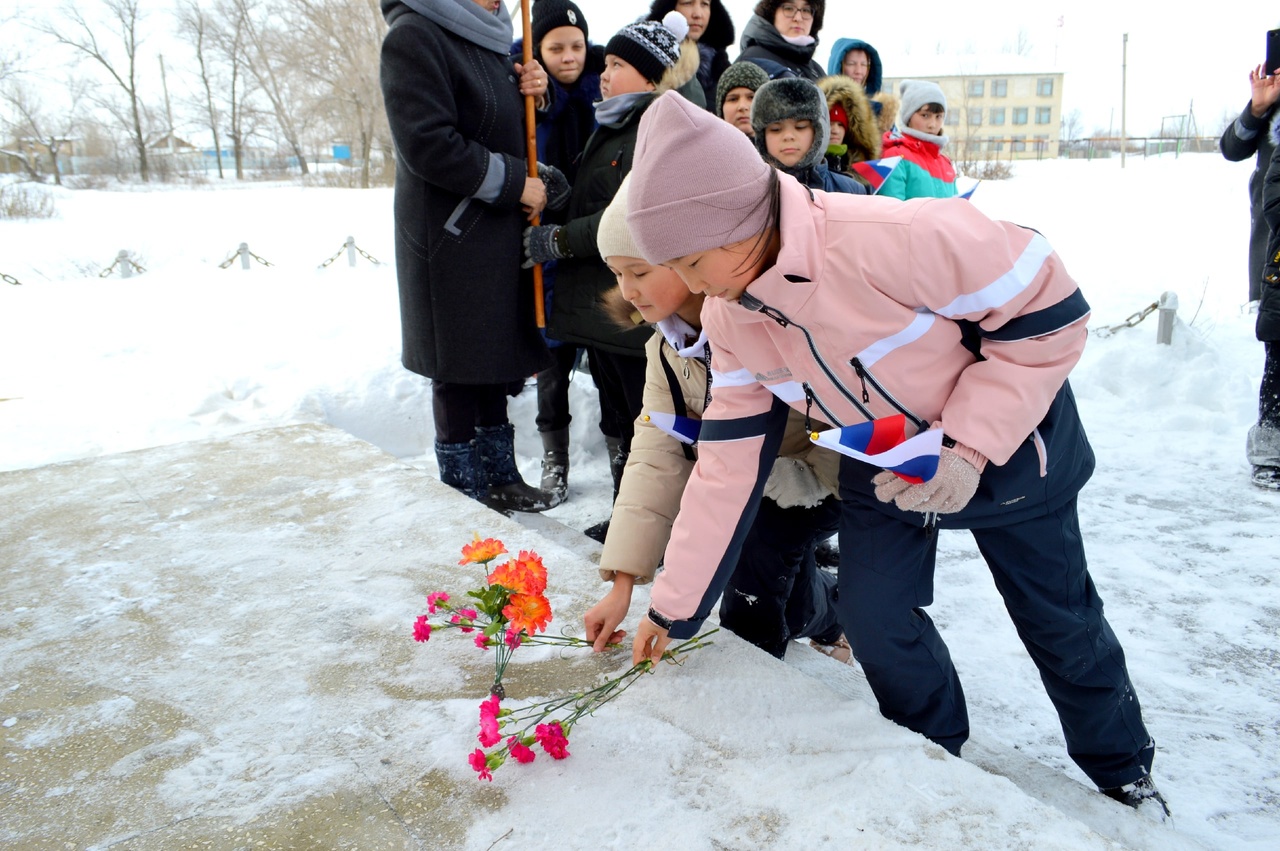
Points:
(1250, 136)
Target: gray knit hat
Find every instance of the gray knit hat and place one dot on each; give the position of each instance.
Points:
(791, 97)
(915, 94)
(613, 238)
(739, 75)
(649, 46)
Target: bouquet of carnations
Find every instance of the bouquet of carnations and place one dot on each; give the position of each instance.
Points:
(510, 610)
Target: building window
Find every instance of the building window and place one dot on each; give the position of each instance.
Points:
(976, 88)
(1019, 143)
(999, 88)
(997, 115)
(951, 119)
(1019, 115)
(1044, 115)
(1042, 143)
(1044, 87)
(975, 116)
(995, 144)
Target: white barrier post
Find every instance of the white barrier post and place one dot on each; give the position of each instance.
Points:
(244, 255)
(122, 260)
(351, 251)
(1168, 309)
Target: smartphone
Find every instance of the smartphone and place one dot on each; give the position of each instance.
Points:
(1273, 51)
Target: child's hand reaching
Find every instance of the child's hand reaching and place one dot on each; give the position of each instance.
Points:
(650, 642)
(601, 620)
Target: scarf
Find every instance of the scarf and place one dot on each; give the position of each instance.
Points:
(468, 21)
(613, 112)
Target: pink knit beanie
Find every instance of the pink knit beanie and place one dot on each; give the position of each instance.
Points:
(697, 182)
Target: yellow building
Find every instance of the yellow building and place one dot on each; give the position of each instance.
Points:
(995, 110)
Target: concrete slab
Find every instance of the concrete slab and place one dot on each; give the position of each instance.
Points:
(207, 646)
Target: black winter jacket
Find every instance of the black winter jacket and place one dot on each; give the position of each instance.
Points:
(1268, 326)
(1246, 137)
(765, 46)
(583, 279)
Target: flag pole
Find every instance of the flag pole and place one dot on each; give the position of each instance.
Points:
(531, 154)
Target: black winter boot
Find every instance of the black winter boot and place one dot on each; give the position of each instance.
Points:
(617, 463)
(507, 491)
(1144, 797)
(460, 467)
(555, 462)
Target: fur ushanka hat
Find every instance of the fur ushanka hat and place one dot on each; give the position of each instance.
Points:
(791, 97)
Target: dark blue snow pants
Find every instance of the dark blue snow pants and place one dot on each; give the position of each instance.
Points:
(777, 592)
(886, 581)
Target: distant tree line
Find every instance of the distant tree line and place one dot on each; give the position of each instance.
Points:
(123, 81)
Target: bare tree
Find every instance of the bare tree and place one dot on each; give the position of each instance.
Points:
(37, 122)
(195, 26)
(340, 43)
(1072, 126)
(80, 35)
(270, 53)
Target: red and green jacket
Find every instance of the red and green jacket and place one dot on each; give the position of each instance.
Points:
(925, 172)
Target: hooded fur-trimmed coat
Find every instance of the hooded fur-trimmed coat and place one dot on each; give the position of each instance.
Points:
(451, 105)
(864, 136)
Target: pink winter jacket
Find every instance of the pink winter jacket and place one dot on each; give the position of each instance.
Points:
(859, 319)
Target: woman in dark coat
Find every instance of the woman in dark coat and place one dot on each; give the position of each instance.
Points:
(783, 44)
(711, 28)
(1263, 445)
(1249, 136)
(455, 106)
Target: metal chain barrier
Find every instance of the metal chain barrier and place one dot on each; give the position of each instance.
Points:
(244, 254)
(1132, 320)
(10, 279)
(352, 250)
(126, 271)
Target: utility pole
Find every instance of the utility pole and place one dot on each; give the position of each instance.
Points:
(1124, 93)
(168, 114)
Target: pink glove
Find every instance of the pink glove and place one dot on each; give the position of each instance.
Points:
(947, 492)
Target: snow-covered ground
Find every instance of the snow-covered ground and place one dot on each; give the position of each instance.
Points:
(1183, 548)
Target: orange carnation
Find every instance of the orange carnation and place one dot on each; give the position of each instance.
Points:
(482, 551)
(528, 612)
(523, 574)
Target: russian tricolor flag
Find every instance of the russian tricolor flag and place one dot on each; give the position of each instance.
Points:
(884, 443)
(683, 429)
(876, 172)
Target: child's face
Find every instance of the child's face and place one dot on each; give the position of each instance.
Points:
(737, 108)
(620, 77)
(788, 141)
(721, 272)
(837, 134)
(564, 53)
(927, 119)
(856, 65)
(655, 291)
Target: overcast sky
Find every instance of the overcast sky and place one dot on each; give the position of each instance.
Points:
(1176, 57)
(1176, 60)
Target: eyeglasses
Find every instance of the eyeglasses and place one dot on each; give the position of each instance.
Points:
(793, 11)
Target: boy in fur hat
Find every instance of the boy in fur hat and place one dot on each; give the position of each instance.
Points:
(925, 172)
(643, 60)
(791, 125)
(855, 135)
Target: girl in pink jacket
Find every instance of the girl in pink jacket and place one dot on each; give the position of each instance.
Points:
(925, 314)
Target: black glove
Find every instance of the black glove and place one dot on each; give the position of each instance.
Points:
(557, 186)
(541, 245)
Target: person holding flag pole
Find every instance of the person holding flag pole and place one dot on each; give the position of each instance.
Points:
(466, 186)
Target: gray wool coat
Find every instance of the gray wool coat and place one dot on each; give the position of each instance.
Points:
(466, 307)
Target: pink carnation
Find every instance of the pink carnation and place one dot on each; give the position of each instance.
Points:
(513, 639)
(457, 620)
(553, 740)
(469, 614)
(480, 763)
(489, 734)
(520, 750)
(436, 597)
(421, 629)
(482, 642)
(490, 706)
